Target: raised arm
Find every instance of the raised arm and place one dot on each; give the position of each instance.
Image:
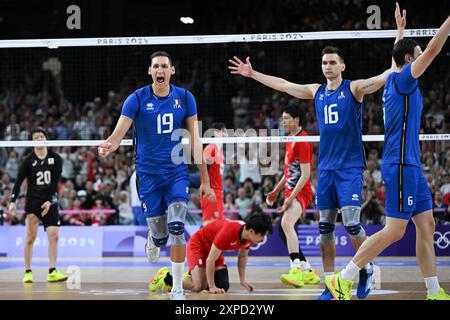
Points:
(367, 86)
(301, 91)
(400, 20)
(435, 45)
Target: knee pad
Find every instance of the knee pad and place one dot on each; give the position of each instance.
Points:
(221, 279)
(158, 230)
(176, 214)
(326, 225)
(351, 219)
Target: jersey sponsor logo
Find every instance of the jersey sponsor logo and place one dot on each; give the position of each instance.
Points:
(51, 161)
(150, 107)
(34, 163)
(341, 95)
(355, 197)
(176, 103)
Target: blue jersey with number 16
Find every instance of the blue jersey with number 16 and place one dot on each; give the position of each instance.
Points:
(339, 116)
(155, 118)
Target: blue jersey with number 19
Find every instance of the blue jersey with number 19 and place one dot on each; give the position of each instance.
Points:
(155, 118)
(402, 108)
(339, 116)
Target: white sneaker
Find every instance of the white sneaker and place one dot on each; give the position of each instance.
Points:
(177, 294)
(151, 251)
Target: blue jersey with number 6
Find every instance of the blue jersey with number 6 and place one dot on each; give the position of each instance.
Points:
(155, 119)
(339, 116)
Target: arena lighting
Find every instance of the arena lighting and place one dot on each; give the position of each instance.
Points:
(187, 20)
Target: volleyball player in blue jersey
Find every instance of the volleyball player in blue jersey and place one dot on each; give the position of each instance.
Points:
(156, 111)
(338, 105)
(407, 193)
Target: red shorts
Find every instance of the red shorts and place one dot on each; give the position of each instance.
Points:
(304, 198)
(196, 256)
(212, 210)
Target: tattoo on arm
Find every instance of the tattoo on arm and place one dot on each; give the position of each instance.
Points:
(367, 86)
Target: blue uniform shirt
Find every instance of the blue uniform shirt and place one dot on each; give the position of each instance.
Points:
(339, 116)
(155, 118)
(402, 108)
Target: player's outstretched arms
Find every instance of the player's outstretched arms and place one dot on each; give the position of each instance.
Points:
(362, 87)
(113, 142)
(435, 45)
(306, 91)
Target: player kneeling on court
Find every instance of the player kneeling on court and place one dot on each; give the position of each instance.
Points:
(206, 263)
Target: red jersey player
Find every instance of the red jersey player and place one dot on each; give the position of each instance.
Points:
(297, 197)
(206, 262)
(214, 159)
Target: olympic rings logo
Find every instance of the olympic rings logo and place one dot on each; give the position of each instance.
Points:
(443, 240)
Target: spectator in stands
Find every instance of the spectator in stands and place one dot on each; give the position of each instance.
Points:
(441, 211)
(243, 203)
(372, 212)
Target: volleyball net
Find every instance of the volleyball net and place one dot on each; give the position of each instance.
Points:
(75, 89)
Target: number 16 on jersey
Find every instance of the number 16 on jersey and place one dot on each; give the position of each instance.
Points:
(331, 116)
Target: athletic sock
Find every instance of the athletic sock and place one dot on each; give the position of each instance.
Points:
(432, 285)
(177, 274)
(51, 270)
(305, 266)
(351, 271)
(27, 270)
(294, 260)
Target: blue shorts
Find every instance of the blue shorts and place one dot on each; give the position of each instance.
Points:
(339, 188)
(407, 192)
(158, 191)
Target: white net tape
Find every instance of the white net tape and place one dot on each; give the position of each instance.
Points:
(262, 139)
(205, 39)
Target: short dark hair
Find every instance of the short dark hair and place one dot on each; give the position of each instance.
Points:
(402, 47)
(160, 54)
(41, 130)
(295, 111)
(331, 49)
(260, 222)
(218, 126)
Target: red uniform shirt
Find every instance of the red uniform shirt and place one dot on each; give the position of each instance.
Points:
(214, 158)
(296, 153)
(224, 234)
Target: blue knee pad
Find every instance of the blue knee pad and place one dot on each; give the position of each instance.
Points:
(160, 242)
(326, 227)
(176, 214)
(353, 230)
(326, 230)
